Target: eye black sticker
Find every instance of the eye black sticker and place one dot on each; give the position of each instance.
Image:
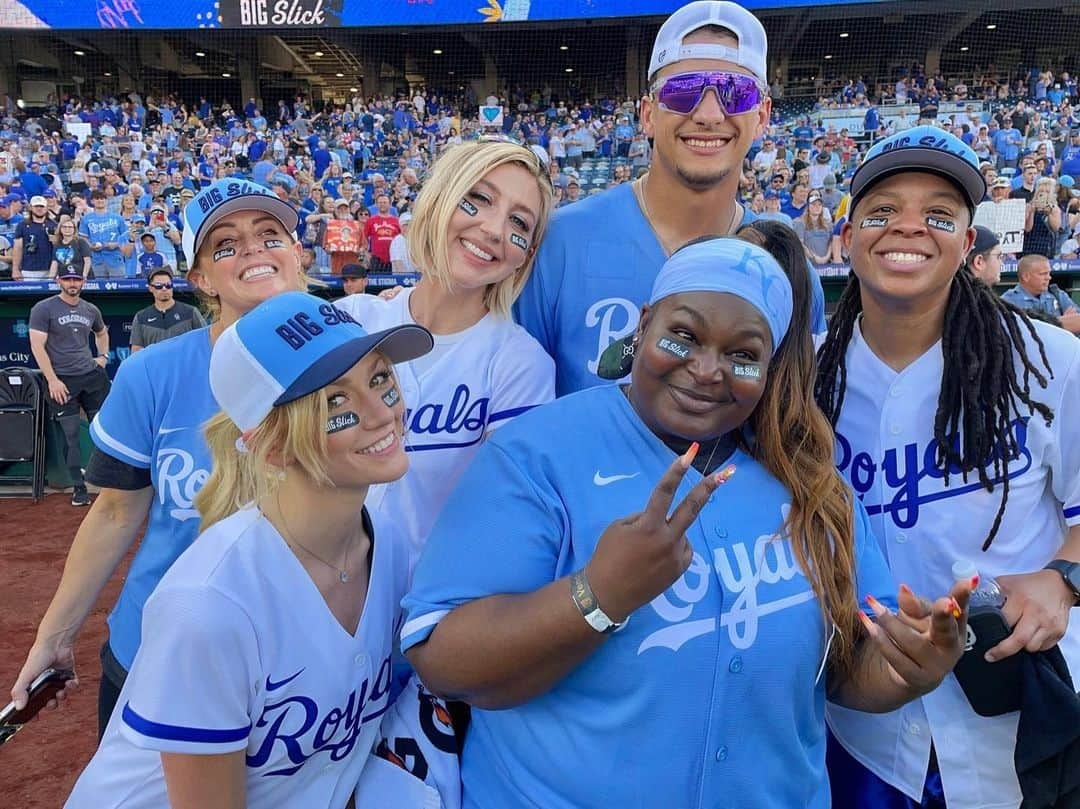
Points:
(519, 241)
(224, 252)
(342, 421)
(874, 222)
(270, 244)
(391, 397)
(746, 371)
(673, 347)
(941, 224)
(468, 207)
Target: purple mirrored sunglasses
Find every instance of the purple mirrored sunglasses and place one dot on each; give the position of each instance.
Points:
(681, 93)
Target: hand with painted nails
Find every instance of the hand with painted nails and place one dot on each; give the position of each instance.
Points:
(640, 556)
(922, 641)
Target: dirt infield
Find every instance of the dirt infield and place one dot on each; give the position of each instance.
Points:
(40, 764)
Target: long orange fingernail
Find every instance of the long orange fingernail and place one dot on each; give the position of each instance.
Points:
(905, 589)
(692, 452)
(875, 605)
(866, 622)
(725, 474)
(955, 608)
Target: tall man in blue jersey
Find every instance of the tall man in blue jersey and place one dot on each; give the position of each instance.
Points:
(597, 263)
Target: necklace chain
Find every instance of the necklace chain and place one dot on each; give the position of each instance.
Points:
(343, 573)
(641, 184)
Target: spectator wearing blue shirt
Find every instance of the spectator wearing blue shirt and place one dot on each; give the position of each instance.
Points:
(1070, 156)
(1007, 143)
(321, 158)
(107, 234)
(797, 204)
(149, 259)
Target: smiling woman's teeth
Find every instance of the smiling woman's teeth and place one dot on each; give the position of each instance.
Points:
(257, 272)
(905, 258)
(476, 251)
(379, 445)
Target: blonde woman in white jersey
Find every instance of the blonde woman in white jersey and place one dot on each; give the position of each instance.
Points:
(476, 227)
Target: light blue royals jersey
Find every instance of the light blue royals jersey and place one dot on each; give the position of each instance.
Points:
(153, 420)
(710, 696)
(594, 270)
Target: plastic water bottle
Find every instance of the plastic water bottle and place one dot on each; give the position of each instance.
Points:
(991, 688)
(987, 596)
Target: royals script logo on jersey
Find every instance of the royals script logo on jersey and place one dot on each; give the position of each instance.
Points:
(305, 729)
(751, 572)
(912, 473)
(462, 414)
(178, 481)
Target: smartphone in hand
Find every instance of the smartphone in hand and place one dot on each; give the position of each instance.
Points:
(44, 688)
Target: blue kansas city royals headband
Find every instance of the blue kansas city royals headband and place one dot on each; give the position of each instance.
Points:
(733, 266)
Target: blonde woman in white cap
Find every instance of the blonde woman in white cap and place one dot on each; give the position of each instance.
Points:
(474, 232)
(150, 458)
(285, 608)
(707, 102)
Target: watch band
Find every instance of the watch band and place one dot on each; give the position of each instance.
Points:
(1070, 572)
(589, 607)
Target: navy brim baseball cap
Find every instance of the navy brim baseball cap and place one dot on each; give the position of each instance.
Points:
(294, 344)
(922, 148)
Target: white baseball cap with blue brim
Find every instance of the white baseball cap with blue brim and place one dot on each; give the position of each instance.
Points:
(922, 148)
(226, 196)
(294, 344)
(751, 52)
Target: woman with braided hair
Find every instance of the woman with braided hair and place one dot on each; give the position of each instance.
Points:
(956, 420)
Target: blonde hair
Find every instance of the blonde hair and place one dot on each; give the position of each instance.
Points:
(455, 172)
(295, 433)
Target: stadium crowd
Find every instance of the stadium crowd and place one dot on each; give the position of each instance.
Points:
(125, 183)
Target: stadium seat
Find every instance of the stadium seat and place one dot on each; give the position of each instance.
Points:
(22, 430)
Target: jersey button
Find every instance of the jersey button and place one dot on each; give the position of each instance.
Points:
(915, 729)
(900, 537)
(895, 429)
(896, 393)
(360, 659)
(721, 754)
(735, 666)
(721, 532)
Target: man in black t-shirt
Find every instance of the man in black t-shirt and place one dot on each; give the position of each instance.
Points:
(166, 317)
(60, 329)
(32, 250)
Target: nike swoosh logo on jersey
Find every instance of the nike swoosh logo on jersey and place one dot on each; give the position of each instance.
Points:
(167, 430)
(272, 686)
(151, 319)
(601, 480)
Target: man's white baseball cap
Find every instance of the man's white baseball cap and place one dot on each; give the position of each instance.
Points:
(752, 50)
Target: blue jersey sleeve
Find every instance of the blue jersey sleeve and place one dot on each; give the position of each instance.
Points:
(125, 426)
(534, 309)
(501, 531)
(817, 304)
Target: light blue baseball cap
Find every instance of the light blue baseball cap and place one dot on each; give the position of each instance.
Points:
(227, 196)
(922, 148)
(291, 345)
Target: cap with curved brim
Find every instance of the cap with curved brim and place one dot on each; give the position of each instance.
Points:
(927, 149)
(225, 197)
(399, 344)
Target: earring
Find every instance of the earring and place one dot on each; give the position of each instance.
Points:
(617, 359)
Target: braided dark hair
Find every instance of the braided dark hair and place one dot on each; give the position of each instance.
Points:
(980, 388)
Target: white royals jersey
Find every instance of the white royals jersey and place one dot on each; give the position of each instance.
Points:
(241, 652)
(886, 449)
(471, 383)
